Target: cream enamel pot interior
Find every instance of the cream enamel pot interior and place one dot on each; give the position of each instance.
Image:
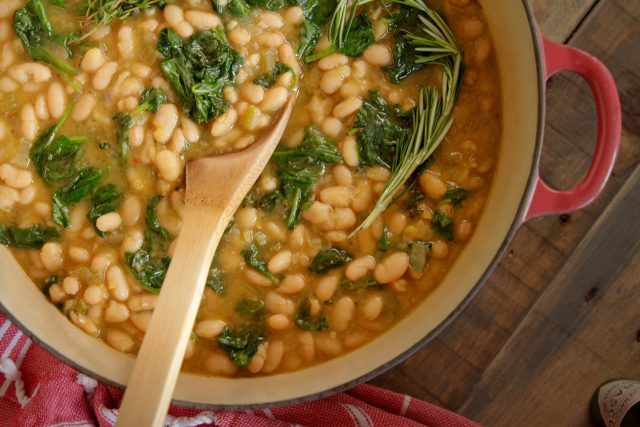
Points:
(525, 61)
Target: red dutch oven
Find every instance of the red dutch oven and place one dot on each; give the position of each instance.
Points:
(526, 61)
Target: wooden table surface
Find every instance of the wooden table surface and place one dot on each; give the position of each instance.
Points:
(561, 313)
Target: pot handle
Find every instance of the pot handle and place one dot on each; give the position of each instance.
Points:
(547, 200)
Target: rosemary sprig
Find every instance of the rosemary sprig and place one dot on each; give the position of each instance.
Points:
(432, 117)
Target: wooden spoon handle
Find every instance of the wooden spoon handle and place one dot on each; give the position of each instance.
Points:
(146, 399)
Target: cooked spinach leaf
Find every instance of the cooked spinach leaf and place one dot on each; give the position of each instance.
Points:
(269, 79)
(151, 219)
(56, 159)
(268, 202)
(384, 242)
(237, 8)
(366, 283)
(104, 200)
(251, 257)
(328, 259)
(65, 197)
(251, 308)
(198, 69)
(405, 59)
(413, 205)
(148, 272)
(240, 345)
(123, 125)
(300, 168)
(418, 252)
(380, 128)
(456, 195)
(215, 280)
(34, 30)
(151, 100)
(357, 37)
(443, 224)
(305, 322)
(309, 35)
(27, 238)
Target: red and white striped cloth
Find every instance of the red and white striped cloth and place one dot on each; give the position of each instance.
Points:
(36, 389)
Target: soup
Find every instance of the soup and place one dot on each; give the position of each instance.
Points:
(377, 184)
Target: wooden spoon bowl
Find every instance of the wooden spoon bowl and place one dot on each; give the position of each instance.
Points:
(215, 187)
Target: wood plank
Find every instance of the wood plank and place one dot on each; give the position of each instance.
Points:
(557, 19)
(582, 331)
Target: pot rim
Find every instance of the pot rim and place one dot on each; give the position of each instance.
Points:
(515, 225)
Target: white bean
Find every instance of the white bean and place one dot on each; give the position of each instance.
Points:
(125, 42)
(331, 80)
(209, 329)
(108, 222)
(173, 14)
(92, 60)
(56, 100)
(274, 99)
(29, 122)
(116, 312)
(165, 122)
(360, 267)
(347, 107)
(83, 107)
(391, 268)
(30, 71)
(342, 314)
(103, 76)
(51, 256)
(280, 262)
(224, 122)
(202, 20)
(377, 55)
(117, 283)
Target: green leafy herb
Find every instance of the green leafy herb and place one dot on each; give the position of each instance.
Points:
(56, 159)
(413, 206)
(151, 219)
(64, 198)
(102, 12)
(198, 69)
(104, 200)
(443, 224)
(240, 345)
(432, 118)
(237, 8)
(418, 252)
(456, 195)
(268, 80)
(34, 29)
(251, 257)
(366, 283)
(305, 322)
(151, 100)
(328, 259)
(268, 202)
(300, 168)
(310, 33)
(215, 280)
(348, 33)
(384, 243)
(148, 272)
(28, 238)
(252, 308)
(380, 129)
(123, 125)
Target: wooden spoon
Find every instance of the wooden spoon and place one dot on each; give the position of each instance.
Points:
(215, 187)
